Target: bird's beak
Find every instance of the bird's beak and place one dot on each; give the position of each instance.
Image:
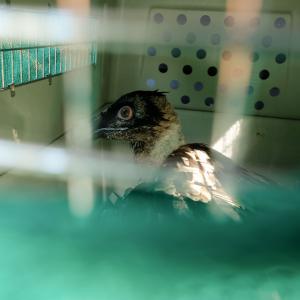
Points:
(97, 126)
(101, 133)
(97, 134)
(101, 130)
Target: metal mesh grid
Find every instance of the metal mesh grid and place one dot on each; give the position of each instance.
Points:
(22, 63)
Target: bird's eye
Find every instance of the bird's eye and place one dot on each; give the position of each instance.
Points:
(125, 113)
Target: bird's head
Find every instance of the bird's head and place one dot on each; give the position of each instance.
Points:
(136, 116)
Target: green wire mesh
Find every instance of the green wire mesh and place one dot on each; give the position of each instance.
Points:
(22, 63)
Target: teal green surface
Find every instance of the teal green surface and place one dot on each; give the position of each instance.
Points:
(46, 253)
(7, 68)
(25, 66)
(16, 64)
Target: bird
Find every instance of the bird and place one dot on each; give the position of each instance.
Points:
(195, 173)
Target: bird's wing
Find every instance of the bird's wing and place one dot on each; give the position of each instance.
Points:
(193, 175)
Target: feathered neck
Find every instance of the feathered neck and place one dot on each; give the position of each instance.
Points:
(156, 148)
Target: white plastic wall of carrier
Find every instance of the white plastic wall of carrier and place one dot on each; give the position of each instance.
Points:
(36, 113)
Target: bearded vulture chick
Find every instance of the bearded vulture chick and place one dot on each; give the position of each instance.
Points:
(192, 173)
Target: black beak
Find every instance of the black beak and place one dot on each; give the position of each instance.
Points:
(98, 126)
(102, 128)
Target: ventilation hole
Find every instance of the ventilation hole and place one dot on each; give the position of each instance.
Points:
(254, 57)
(229, 21)
(151, 83)
(209, 101)
(181, 19)
(201, 53)
(163, 68)
(267, 41)
(167, 36)
(215, 39)
(174, 84)
(280, 22)
(280, 58)
(187, 69)
(185, 99)
(254, 22)
(191, 38)
(227, 55)
(212, 71)
(264, 74)
(274, 91)
(158, 18)
(205, 20)
(151, 51)
(259, 105)
(250, 90)
(198, 86)
(176, 52)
